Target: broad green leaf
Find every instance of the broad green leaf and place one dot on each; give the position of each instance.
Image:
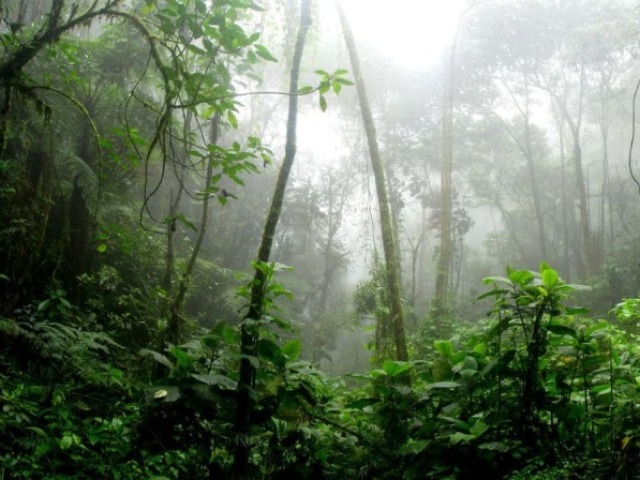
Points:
(292, 349)
(488, 280)
(216, 380)
(101, 248)
(158, 357)
(186, 222)
(479, 428)
(162, 394)
(444, 347)
(343, 81)
(521, 277)
(498, 292)
(549, 277)
(394, 368)
(459, 437)
(271, 352)
(264, 53)
(324, 87)
(469, 363)
(562, 330)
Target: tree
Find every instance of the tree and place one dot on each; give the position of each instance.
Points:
(386, 222)
(253, 319)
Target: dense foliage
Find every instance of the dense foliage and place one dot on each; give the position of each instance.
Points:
(123, 303)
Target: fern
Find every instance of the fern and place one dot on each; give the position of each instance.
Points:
(72, 350)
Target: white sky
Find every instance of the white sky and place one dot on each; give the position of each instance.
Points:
(413, 32)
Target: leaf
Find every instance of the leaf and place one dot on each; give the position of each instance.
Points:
(415, 447)
(479, 428)
(264, 53)
(101, 248)
(305, 90)
(498, 292)
(521, 277)
(233, 121)
(323, 103)
(444, 347)
(214, 379)
(186, 222)
(38, 431)
(337, 87)
(271, 351)
(549, 277)
(488, 280)
(158, 357)
(497, 446)
(162, 394)
(562, 330)
(343, 81)
(67, 441)
(292, 349)
(459, 437)
(324, 87)
(394, 368)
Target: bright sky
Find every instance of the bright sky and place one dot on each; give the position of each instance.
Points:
(414, 32)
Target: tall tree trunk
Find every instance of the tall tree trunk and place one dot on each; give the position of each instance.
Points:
(386, 222)
(249, 330)
(441, 300)
(559, 117)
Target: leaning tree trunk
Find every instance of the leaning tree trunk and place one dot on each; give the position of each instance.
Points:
(386, 221)
(249, 331)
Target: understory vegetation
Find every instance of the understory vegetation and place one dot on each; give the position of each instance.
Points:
(537, 390)
(142, 337)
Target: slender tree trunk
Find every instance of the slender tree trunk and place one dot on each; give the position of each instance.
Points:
(175, 326)
(386, 222)
(249, 330)
(586, 240)
(525, 146)
(443, 274)
(559, 116)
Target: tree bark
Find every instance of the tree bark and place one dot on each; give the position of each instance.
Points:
(249, 330)
(386, 222)
(441, 300)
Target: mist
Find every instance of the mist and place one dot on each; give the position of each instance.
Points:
(319, 237)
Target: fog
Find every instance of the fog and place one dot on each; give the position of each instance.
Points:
(531, 101)
(533, 83)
